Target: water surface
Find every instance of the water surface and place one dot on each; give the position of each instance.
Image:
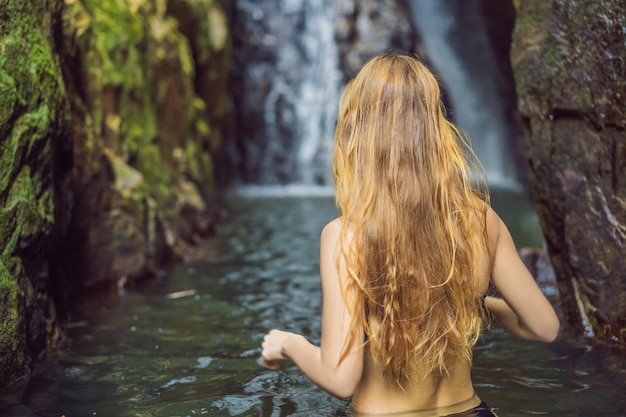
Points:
(187, 344)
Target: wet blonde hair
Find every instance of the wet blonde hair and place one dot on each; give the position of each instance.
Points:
(413, 200)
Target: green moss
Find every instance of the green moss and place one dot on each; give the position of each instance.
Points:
(139, 129)
(157, 179)
(116, 34)
(12, 340)
(9, 293)
(200, 164)
(10, 231)
(185, 55)
(29, 60)
(10, 98)
(28, 71)
(30, 189)
(31, 84)
(33, 110)
(118, 40)
(531, 15)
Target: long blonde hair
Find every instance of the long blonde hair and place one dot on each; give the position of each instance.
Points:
(413, 198)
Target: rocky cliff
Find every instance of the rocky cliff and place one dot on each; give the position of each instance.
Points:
(109, 117)
(568, 59)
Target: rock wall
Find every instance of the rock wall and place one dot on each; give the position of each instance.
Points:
(110, 113)
(34, 122)
(140, 83)
(568, 59)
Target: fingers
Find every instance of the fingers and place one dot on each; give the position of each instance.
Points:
(273, 365)
(271, 350)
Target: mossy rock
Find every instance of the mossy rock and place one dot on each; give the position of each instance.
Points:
(33, 131)
(138, 106)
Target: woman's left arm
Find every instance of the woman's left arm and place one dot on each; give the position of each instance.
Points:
(321, 363)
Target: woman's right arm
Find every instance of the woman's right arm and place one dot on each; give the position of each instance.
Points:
(523, 310)
(324, 364)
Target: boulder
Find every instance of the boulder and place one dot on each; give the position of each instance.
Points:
(568, 60)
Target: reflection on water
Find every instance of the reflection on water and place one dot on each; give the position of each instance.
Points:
(187, 344)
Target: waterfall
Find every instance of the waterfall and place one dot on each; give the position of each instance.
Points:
(452, 34)
(316, 109)
(288, 66)
(290, 84)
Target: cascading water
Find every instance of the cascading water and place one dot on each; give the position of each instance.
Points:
(318, 95)
(290, 78)
(459, 49)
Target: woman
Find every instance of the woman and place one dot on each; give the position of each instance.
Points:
(406, 267)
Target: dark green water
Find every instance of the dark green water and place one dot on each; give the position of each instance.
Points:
(143, 353)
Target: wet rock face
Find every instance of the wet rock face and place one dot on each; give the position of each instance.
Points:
(109, 115)
(33, 144)
(568, 59)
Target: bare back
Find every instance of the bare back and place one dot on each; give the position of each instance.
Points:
(453, 391)
(376, 395)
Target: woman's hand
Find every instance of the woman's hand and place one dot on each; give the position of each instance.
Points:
(273, 348)
(336, 365)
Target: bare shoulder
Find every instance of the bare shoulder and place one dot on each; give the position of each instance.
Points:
(329, 268)
(332, 228)
(494, 227)
(330, 238)
(332, 232)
